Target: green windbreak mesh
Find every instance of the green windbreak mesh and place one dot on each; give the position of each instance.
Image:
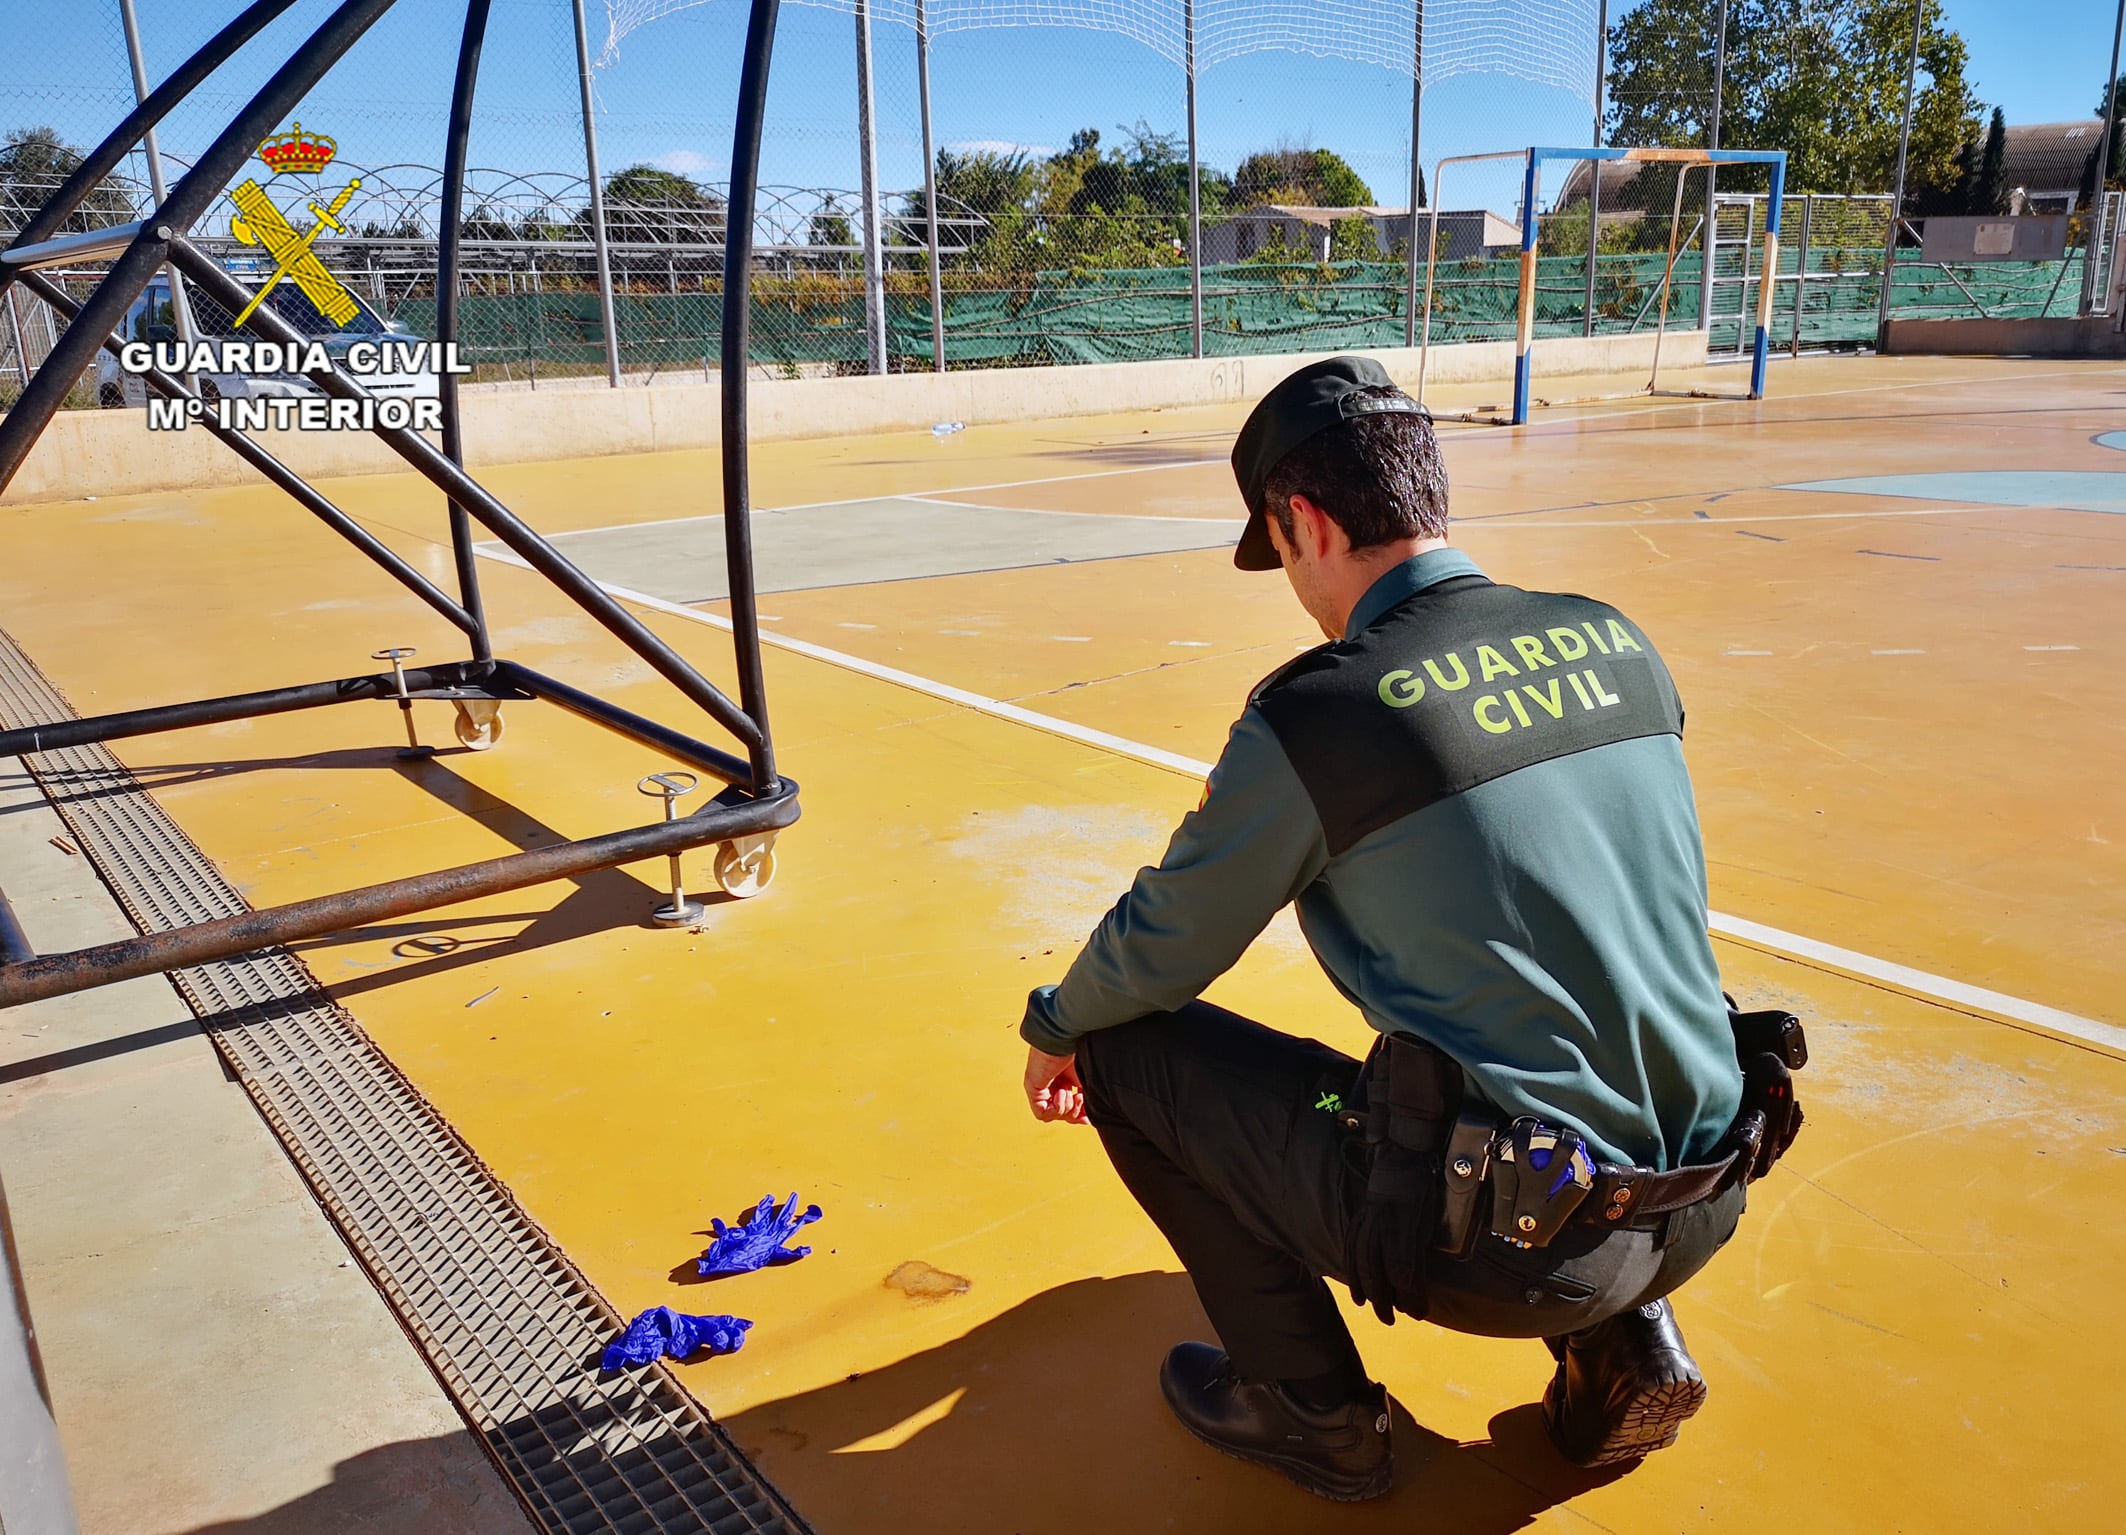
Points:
(816, 323)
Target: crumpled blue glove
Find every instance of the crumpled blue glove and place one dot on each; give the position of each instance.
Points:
(757, 1242)
(661, 1330)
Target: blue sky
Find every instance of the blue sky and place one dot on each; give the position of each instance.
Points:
(667, 99)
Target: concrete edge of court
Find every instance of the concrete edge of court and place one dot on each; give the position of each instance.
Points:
(111, 453)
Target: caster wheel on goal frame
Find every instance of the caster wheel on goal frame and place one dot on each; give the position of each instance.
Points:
(479, 723)
(745, 866)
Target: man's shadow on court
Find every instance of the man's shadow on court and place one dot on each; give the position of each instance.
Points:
(1047, 1420)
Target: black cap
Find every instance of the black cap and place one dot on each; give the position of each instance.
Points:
(1317, 397)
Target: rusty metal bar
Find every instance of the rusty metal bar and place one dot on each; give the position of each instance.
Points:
(54, 975)
(626, 722)
(212, 711)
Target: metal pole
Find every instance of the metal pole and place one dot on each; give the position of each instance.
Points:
(930, 184)
(180, 301)
(1761, 346)
(1712, 222)
(22, 347)
(1897, 196)
(867, 137)
(1594, 167)
(598, 242)
(1524, 328)
(449, 250)
(1668, 275)
(1801, 268)
(2103, 169)
(34, 1496)
(737, 322)
(1417, 184)
(1195, 190)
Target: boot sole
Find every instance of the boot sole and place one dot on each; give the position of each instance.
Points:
(1303, 1476)
(1656, 1414)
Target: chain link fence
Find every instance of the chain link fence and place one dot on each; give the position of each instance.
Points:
(1045, 200)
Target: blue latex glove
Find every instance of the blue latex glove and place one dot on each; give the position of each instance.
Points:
(757, 1242)
(661, 1330)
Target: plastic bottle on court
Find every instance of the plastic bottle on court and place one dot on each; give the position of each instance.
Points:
(945, 429)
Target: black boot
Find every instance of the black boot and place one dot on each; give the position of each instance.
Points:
(1342, 1453)
(1623, 1387)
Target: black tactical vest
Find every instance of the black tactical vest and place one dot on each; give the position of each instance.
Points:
(1458, 684)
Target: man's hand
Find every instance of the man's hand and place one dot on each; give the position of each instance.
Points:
(1052, 1087)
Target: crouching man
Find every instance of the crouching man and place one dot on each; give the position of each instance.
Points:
(1477, 798)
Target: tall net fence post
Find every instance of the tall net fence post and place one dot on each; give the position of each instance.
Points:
(1707, 246)
(1195, 188)
(180, 304)
(867, 157)
(1897, 190)
(1417, 176)
(933, 259)
(1594, 167)
(601, 250)
(2095, 222)
(22, 349)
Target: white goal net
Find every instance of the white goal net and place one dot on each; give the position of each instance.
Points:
(1548, 42)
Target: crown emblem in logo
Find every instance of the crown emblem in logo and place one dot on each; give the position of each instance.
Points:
(297, 151)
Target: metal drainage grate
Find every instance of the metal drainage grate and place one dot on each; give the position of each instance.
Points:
(511, 1328)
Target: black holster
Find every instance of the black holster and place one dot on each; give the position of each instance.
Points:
(1412, 1094)
(1769, 1047)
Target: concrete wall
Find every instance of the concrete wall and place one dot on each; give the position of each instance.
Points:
(111, 452)
(2095, 336)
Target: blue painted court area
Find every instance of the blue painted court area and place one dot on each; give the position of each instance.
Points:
(2074, 490)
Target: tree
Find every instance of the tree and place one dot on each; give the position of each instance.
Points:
(33, 163)
(646, 204)
(1823, 80)
(985, 181)
(1311, 178)
(1989, 188)
(830, 226)
(485, 223)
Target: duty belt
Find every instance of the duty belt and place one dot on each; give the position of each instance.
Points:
(1540, 1177)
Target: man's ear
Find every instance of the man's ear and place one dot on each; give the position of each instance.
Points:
(1313, 529)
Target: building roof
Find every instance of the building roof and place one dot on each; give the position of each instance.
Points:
(2048, 157)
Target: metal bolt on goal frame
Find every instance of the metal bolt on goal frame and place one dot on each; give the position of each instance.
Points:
(670, 786)
(397, 657)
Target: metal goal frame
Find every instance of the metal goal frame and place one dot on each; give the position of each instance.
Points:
(1686, 160)
(757, 801)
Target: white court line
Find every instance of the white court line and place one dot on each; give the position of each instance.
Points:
(1713, 522)
(1919, 983)
(916, 495)
(1049, 511)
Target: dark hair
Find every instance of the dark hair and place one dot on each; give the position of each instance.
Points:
(1379, 476)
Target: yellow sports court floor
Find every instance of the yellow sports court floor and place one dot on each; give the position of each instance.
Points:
(1905, 726)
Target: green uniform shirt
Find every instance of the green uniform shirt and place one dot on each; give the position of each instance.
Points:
(1546, 926)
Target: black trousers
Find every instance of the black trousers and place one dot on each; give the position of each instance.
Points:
(1226, 1133)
